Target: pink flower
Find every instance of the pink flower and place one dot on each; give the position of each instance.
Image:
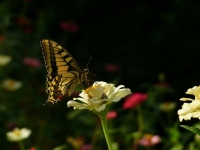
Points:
(33, 62)
(86, 147)
(111, 67)
(111, 115)
(149, 140)
(69, 26)
(11, 125)
(134, 100)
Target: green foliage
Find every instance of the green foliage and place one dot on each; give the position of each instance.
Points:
(192, 129)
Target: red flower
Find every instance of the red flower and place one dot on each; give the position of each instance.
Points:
(111, 115)
(33, 62)
(69, 26)
(111, 67)
(134, 100)
(23, 21)
(28, 30)
(2, 38)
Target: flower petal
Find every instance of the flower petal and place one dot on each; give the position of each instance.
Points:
(18, 134)
(101, 107)
(192, 109)
(76, 105)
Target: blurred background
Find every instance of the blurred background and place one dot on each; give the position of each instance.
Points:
(150, 47)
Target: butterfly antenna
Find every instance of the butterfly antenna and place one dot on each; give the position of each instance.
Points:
(92, 74)
(88, 62)
(88, 81)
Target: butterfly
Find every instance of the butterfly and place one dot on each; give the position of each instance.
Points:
(63, 71)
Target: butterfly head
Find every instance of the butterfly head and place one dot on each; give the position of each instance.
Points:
(84, 74)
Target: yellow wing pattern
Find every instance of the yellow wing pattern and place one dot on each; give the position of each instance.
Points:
(63, 71)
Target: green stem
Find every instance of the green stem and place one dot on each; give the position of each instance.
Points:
(140, 119)
(106, 133)
(21, 145)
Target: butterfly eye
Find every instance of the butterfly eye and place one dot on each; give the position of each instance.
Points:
(86, 71)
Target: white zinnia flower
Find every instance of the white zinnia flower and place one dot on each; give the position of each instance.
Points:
(4, 60)
(11, 85)
(98, 96)
(190, 110)
(18, 134)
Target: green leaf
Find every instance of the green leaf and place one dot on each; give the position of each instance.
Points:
(193, 129)
(61, 147)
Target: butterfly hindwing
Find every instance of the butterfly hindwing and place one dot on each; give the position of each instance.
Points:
(63, 71)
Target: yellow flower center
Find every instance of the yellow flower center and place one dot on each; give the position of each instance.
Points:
(88, 90)
(11, 82)
(91, 88)
(17, 132)
(148, 137)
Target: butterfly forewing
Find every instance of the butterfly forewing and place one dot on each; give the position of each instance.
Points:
(63, 72)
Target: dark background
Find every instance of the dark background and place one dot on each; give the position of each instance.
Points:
(143, 37)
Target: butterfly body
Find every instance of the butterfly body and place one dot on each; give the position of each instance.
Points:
(63, 71)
